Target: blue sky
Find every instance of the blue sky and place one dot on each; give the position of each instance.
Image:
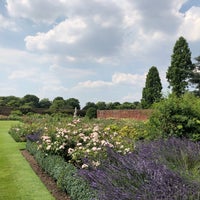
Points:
(92, 50)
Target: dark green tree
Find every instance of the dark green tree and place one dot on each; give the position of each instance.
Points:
(44, 103)
(152, 91)
(57, 105)
(90, 105)
(127, 105)
(12, 101)
(91, 113)
(101, 105)
(195, 79)
(181, 67)
(30, 100)
(113, 105)
(58, 98)
(72, 103)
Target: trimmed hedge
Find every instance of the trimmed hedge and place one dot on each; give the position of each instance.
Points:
(64, 173)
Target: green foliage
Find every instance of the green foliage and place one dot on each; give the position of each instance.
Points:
(73, 184)
(16, 113)
(195, 77)
(65, 174)
(26, 108)
(32, 147)
(57, 105)
(101, 105)
(20, 131)
(72, 103)
(31, 100)
(44, 103)
(75, 139)
(91, 113)
(17, 134)
(182, 156)
(181, 67)
(177, 116)
(152, 91)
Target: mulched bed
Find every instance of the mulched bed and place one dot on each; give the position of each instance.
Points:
(45, 178)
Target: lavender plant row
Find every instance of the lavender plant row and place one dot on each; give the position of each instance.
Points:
(159, 170)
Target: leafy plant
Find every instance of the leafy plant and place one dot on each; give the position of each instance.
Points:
(177, 116)
(65, 174)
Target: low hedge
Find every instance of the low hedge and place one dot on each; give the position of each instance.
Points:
(64, 173)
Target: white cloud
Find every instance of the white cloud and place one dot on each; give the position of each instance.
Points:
(45, 11)
(23, 73)
(191, 24)
(93, 84)
(104, 31)
(117, 79)
(67, 32)
(7, 24)
(92, 48)
(133, 79)
(70, 73)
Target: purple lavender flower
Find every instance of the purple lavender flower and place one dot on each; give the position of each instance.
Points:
(157, 170)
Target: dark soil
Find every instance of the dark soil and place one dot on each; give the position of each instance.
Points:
(45, 178)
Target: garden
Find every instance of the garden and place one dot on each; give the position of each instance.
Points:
(106, 159)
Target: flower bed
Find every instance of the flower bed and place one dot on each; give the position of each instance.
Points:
(113, 154)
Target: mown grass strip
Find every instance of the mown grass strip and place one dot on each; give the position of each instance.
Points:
(17, 179)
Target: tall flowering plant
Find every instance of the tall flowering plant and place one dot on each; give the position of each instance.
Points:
(57, 143)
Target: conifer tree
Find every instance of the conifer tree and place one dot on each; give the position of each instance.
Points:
(152, 91)
(195, 78)
(179, 72)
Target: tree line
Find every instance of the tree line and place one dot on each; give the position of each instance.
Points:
(31, 103)
(182, 75)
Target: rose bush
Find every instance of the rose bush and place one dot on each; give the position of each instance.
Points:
(76, 139)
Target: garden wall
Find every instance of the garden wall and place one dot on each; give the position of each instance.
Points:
(139, 114)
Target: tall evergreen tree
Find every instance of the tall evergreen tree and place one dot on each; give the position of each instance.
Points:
(195, 78)
(152, 91)
(181, 67)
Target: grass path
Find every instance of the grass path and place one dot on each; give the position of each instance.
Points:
(17, 179)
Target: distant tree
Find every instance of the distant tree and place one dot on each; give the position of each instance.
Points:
(127, 105)
(137, 105)
(101, 105)
(72, 103)
(12, 101)
(181, 67)
(44, 103)
(58, 98)
(2, 101)
(152, 91)
(89, 105)
(195, 78)
(57, 105)
(30, 100)
(112, 106)
(91, 113)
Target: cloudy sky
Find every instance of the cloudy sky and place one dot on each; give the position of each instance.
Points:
(92, 50)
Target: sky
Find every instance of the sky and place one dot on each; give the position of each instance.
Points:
(91, 50)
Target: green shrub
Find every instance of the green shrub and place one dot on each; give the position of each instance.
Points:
(31, 147)
(91, 113)
(74, 184)
(64, 173)
(17, 132)
(179, 117)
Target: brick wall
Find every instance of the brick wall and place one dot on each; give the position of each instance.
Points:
(140, 114)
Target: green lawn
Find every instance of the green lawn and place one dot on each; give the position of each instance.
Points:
(17, 179)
